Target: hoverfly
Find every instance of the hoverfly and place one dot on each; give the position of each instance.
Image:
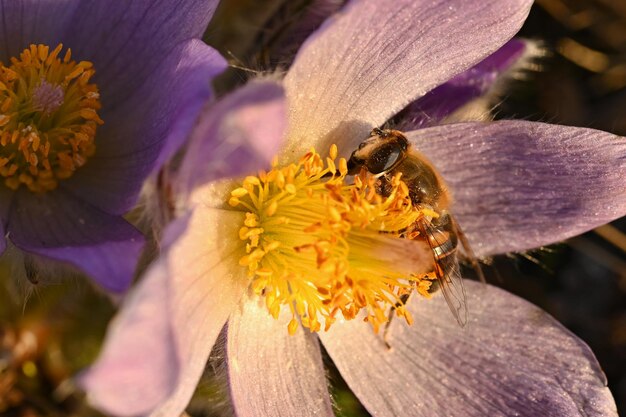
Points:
(385, 154)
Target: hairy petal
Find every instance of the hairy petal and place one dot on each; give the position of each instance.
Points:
(512, 359)
(237, 135)
(270, 372)
(362, 66)
(58, 226)
(138, 365)
(203, 283)
(206, 282)
(519, 185)
(443, 101)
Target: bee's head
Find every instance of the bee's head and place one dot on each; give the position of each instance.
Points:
(379, 153)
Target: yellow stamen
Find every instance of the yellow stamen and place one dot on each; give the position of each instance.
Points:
(328, 247)
(49, 117)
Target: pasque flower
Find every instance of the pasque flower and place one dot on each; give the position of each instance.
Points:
(516, 185)
(93, 96)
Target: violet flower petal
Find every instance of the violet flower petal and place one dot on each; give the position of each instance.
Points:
(27, 22)
(148, 127)
(270, 372)
(362, 67)
(239, 134)
(137, 372)
(441, 102)
(58, 226)
(512, 359)
(152, 75)
(131, 38)
(519, 185)
(204, 283)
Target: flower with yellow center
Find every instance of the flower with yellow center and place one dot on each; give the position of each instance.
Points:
(321, 245)
(67, 178)
(48, 117)
(510, 180)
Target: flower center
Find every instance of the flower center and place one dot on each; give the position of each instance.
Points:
(48, 117)
(323, 246)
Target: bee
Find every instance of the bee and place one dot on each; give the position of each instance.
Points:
(387, 153)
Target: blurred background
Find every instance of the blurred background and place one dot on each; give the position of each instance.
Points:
(50, 331)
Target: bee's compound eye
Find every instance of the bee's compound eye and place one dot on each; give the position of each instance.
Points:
(384, 158)
(354, 165)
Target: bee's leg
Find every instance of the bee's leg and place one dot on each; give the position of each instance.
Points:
(384, 186)
(377, 132)
(392, 313)
(434, 287)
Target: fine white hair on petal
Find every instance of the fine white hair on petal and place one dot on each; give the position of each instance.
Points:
(512, 359)
(363, 66)
(118, 381)
(177, 312)
(271, 372)
(519, 185)
(205, 284)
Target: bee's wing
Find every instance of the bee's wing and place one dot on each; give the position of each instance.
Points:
(468, 253)
(447, 268)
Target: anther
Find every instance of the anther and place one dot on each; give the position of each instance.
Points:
(49, 117)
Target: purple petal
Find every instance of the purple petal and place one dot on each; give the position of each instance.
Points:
(35, 21)
(152, 75)
(270, 372)
(377, 56)
(139, 346)
(58, 226)
(203, 282)
(144, 130)
(519, 185)
(126, 40)
(238, 135)
(441, 102)
(512, 359)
